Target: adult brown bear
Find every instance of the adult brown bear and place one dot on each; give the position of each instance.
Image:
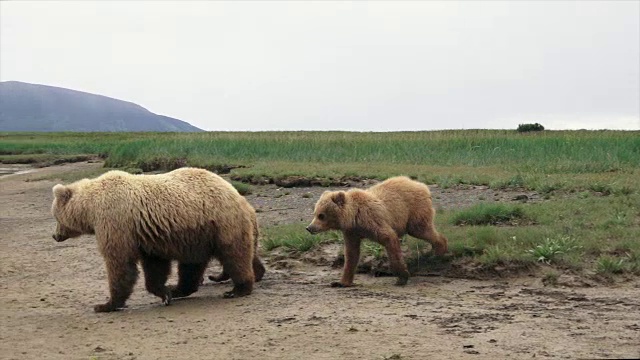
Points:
(189, 215)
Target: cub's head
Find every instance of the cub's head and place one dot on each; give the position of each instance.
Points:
(329, 212)
(67, 226)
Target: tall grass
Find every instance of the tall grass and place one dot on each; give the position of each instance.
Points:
(492, 157)
(552, 151)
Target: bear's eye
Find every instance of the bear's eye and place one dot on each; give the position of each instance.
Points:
(321, 217)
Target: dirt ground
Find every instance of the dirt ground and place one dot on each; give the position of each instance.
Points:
(48, 290)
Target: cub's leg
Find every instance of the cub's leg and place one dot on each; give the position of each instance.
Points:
(391, 242)
(425, 230)
(351, 258)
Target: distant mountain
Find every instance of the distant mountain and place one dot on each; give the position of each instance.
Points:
(32, 107)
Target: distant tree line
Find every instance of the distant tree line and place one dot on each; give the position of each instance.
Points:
(530, 127)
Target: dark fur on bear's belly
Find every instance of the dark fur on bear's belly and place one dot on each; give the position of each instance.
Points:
(183, 245)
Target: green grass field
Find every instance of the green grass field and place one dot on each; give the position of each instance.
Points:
(591, 221)
(543, 161)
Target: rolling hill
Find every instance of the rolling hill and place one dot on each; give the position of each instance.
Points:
(33, 107)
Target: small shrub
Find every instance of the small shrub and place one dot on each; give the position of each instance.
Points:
(243, 189)
(530, 127)
(551, 249)
(306, 195)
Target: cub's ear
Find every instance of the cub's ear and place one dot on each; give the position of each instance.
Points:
(339, 198)
(62, 193)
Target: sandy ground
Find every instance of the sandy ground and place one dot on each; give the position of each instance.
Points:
(48, 290)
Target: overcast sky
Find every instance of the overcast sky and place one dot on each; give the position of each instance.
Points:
(365, 66)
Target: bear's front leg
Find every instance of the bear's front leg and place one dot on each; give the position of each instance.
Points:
(351, 259)
(122, 275)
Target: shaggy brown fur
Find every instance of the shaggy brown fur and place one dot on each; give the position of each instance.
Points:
(382, 213)
(189, 215)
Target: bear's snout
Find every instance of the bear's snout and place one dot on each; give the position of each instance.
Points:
(312, 229)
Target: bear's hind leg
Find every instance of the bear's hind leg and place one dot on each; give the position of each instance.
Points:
(258, 271)
(189, 278)
(425, 230)
(391, 242)
(122, 275)
(156, 272)
(258, 268)
(220, 278)
(241, 273)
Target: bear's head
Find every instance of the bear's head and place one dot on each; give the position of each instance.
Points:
(329, 212)
(69, 218)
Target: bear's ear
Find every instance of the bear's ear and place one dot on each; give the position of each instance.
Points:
(339, 198)
(62, 193)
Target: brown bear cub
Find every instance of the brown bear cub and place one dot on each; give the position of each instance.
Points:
(189, 215)
(383, 213)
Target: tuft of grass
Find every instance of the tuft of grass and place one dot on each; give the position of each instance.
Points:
(608, 265)
(552, 249)
(294, 237)
(374, 249)
(448, 181)
(242, 188)
(633, 262)
(604, 189)
(516, 181)
(550, 278)
(623, 191)
(504, 254)
(489, 214)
